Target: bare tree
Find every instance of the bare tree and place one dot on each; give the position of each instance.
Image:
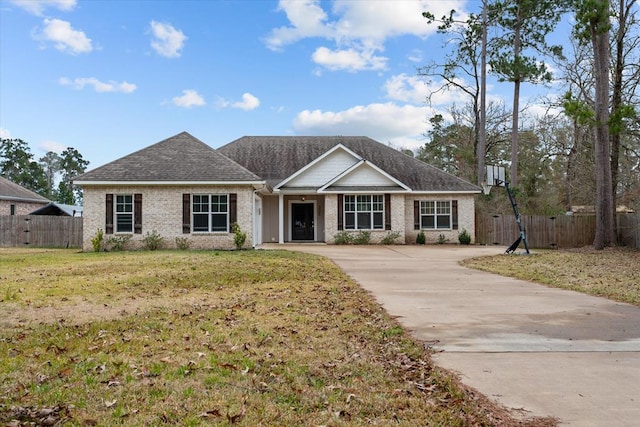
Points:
(462, 71)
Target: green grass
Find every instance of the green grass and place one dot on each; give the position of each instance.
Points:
(611, 273)
(212, 338)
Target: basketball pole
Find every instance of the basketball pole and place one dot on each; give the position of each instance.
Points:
(516, 212)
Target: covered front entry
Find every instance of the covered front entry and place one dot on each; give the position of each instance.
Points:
(302, 221)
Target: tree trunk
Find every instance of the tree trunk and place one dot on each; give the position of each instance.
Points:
(482, 135)
(605, 235)
(616, 101)
(517, 47)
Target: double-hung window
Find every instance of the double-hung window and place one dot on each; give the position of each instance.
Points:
(364, 212)
(124, 213)
(210, 213)
(435, 214)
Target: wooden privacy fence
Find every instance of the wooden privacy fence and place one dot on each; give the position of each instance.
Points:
(552, 232)
(40, 231)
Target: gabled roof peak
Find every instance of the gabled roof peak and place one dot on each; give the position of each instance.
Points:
(181, 157)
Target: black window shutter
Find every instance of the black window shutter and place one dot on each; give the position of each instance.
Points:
(233, 209)
(416, 215)
(454, 214)
(108, 222)
(186, 213)
(340, 212)
(387, 211)
(137, 213)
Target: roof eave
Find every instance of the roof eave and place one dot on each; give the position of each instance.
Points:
(168, 183)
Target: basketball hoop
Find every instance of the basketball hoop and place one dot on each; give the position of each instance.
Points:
(486, 188)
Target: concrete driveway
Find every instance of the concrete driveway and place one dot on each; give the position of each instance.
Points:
(538, 350)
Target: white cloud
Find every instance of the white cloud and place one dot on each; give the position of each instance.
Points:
(307, 19)
(248, 103)
(65, 38)
(190, 98)
(49, 145)
(359, 29)
(37, 7)
(168, 41)
(417, 90)
(111, 86)
(349, 59)
(415, 55)
(402, 126)
(5, 134)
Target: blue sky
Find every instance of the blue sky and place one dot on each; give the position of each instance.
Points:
(112, 77)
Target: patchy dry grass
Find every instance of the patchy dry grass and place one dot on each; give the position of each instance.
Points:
(209, 338)
(612, 273)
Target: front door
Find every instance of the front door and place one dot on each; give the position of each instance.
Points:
(302, 221)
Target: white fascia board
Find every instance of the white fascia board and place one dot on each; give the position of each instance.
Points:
(365, 192)
(426, 193)
(356, 166)
(314, 162)
(25, 199)
(168, 183)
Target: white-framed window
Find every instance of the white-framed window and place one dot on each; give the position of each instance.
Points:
(124, 213)
(364, 212)
(210, 213)
(435, 214)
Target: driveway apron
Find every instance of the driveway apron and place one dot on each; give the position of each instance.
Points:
(540, 351)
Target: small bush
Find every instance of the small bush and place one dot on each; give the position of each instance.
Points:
(464, 237)
(343, 238)
(421, 239)
(442, 239)
(182, 243)
(152, 241)
(97, 240)
(390, 238)
(362, 238)
(117, 243)
(239, 236)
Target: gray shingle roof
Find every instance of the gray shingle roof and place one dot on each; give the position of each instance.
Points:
(275, 158)
(9, 190)
(179, 158)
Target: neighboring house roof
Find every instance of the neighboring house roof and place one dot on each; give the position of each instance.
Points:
(181, 158)
(58, 209)
(11, 191)
(275, 158)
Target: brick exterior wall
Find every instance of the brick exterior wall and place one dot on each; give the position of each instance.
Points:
(22, 208)
(162, 212)
(466, 218)
(397, 220)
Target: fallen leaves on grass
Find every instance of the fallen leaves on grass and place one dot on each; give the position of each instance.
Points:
(612, 273)
(271, 338)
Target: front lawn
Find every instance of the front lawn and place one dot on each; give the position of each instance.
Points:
(211, 338)
(612, 273)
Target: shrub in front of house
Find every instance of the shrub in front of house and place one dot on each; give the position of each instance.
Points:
(239, 236)
(343, 238)
(182, 243)
(390, 238)
(362, 238)
(421, 239)
(117, 243)
(464, 237)
(97, 240)
(152, 241)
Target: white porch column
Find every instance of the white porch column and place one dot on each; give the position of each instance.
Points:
(281, 218)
